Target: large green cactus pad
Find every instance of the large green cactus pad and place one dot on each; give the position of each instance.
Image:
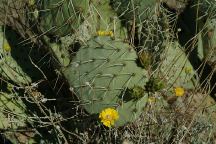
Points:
(61, 17)
(101, 73)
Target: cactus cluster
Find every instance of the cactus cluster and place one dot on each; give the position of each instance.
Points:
(104, 71)
(105, 50)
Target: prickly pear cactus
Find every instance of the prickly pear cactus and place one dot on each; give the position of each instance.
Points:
(9, 68)
(209, 42)
(104, 18)
(133, 10)
(145, 24)
(60, 51)
(176, 68)
(206, 8)
(101, 74)
(12, 13)
(12, 111)
(207, 37)
(59, 18)
(101, 18)
(18, 61)
(14, 116)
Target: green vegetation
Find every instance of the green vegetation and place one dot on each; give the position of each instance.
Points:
(107, 71)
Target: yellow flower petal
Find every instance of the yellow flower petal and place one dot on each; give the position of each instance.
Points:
(105, 33)
(6, 47)
(106, 123)
(188, 70)
(111, 33)
(151, 99)
(179, 91)
(108, 116)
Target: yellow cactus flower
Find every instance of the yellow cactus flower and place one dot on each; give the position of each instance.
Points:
(105, 33)
(99, 33)
(108, 116)
(111, 34)
(6, 47)
(188, 70)
(151, 99)
(179, 91)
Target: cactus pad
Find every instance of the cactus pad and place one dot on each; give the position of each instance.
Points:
(101, 73)
(60, 18)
